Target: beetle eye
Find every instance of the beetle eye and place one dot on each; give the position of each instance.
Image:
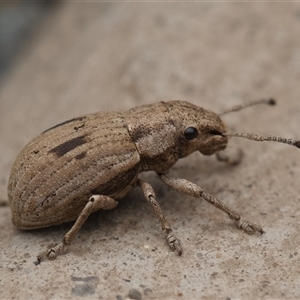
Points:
(190, 133)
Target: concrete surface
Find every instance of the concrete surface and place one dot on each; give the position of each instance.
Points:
(86, 57)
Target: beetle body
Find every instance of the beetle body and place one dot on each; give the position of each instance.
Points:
(103, 153)
(85, 164)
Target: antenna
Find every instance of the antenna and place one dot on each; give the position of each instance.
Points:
(269, 101)
(254, 137)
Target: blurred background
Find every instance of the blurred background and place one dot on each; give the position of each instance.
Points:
(18, 21)
(61, 59)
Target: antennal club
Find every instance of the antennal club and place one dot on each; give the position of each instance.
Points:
(254, 137)
(269, 101)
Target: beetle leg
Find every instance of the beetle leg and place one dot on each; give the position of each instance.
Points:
(233, 159)
(149, 194)
(186, 187)
(95, 203)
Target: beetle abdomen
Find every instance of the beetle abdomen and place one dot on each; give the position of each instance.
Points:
(56, 173)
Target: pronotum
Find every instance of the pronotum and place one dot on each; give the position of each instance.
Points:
(88, 163)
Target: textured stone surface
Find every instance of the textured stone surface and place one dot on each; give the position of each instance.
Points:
(86, 57)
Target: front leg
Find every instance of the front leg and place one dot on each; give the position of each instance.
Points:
(231, 159)
(186, 187)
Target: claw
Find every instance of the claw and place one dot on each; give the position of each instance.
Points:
(51, 253)
(249, 227)
(174, 243)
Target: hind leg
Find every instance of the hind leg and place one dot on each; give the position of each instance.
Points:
(95, 203)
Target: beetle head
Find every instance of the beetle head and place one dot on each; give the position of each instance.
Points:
(203, 130)
(198, 129)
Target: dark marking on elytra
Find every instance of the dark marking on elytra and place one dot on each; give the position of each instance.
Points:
(81, 155)
(66, 122)
(69, 145)
(76, 128)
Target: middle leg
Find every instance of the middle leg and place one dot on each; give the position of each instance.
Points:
(149, 194)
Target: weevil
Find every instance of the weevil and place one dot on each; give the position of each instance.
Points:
(89, 163)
